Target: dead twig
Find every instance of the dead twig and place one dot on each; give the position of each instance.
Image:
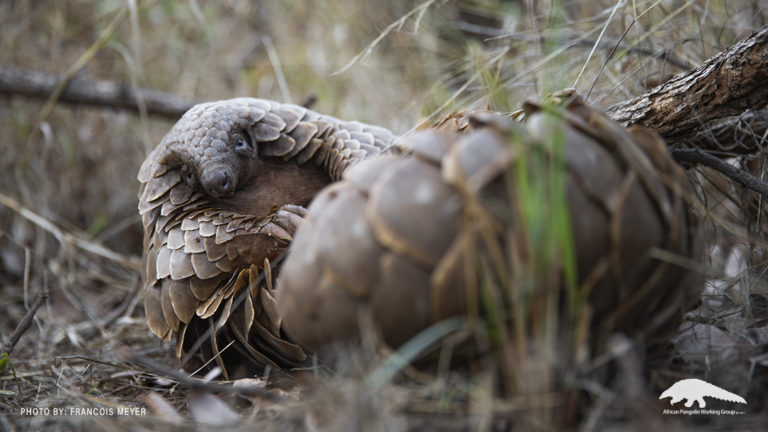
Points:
(24, 324)
(696, 156)
(197, 384)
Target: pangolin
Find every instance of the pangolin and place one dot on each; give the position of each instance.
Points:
(413, 238)
(223, 194)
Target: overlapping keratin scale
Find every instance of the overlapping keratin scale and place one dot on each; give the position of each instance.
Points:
(395, 236)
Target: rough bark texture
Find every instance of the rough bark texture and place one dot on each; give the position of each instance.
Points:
(87, 92)
(687, 105)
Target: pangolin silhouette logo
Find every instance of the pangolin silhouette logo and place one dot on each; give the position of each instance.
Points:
(696, 390)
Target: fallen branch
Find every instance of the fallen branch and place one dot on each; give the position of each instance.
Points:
(84, 91)
(728, 84)
(197, 384)
(696, 156)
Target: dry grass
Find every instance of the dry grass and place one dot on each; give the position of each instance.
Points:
(75, 170)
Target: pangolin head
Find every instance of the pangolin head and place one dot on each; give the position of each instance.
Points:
(211, 146)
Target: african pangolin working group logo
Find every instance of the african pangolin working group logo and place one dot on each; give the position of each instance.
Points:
(695, 390)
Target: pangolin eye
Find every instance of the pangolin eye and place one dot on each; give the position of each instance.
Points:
(243, 146)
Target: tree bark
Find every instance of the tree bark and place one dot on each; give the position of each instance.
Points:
(701, 107)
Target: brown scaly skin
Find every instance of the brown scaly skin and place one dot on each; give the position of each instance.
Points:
(387, 240)
(223, 192)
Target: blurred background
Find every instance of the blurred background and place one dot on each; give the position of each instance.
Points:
(392, 63)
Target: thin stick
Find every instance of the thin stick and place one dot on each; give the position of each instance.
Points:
(695, 156)
(24, 324)
(197, 384)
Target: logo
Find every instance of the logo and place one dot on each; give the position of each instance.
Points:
(695, 390)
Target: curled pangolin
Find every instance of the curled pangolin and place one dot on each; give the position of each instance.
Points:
(223, 192)
(226, 187)
(412, 239)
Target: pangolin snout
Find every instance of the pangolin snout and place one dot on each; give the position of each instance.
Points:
(218, 181)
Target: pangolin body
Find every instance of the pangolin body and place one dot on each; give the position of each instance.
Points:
(415, 238)
(223, 192)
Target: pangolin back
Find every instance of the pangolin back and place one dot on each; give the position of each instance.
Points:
(414, 238)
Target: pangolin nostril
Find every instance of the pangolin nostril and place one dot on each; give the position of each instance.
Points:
(218, 182)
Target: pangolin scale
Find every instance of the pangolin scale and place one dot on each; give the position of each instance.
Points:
(415, 238)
